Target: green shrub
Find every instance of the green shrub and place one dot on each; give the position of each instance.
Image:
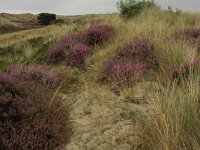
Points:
(46, 18)
(131, 8)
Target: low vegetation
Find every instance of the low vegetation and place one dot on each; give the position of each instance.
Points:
(113, 83)
(27, 119)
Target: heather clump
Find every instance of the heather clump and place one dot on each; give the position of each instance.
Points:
(26, 120)
(131, 62)
(74, 46)
(45, 77)
(70, 38)
(77, 54)
(139, 50)
(123, 72)
(57, 52)
(10, 85)
(97, 34)
(19, 71)
(35, 73)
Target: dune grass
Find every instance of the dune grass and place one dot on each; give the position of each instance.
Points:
(171, 120)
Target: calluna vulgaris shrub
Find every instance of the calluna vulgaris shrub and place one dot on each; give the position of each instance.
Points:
(132, 61)
(75, 45)
(77, 54)
(45, 77)
(139, 50)
(97, 34)
(123, 72)
(35, 73)
(26, 121)
(10, 85)
(57, 52)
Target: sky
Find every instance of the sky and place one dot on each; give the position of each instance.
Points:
(78, 7)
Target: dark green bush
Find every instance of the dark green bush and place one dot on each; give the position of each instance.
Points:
(46, 18)
(131, 8)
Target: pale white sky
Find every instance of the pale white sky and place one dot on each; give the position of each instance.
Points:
(76, 7)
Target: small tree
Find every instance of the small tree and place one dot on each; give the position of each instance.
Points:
(130, 8)
(46, 18)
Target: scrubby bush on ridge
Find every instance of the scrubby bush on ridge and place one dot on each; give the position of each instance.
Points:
(131, 8)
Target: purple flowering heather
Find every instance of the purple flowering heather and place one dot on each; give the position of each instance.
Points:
(136, 48)
(122, 71)
(57, 52)
(69, 39)
(139, 50)
(48, 79)
(19, 71)
(77, 54)
(36, 73)
(11, 85)
(26, 121)
(133, 60)
(98, 34)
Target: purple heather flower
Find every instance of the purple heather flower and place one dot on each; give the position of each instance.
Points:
(77, 54)
(98, 34)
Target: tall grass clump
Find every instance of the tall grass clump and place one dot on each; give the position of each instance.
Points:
(171, 119)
